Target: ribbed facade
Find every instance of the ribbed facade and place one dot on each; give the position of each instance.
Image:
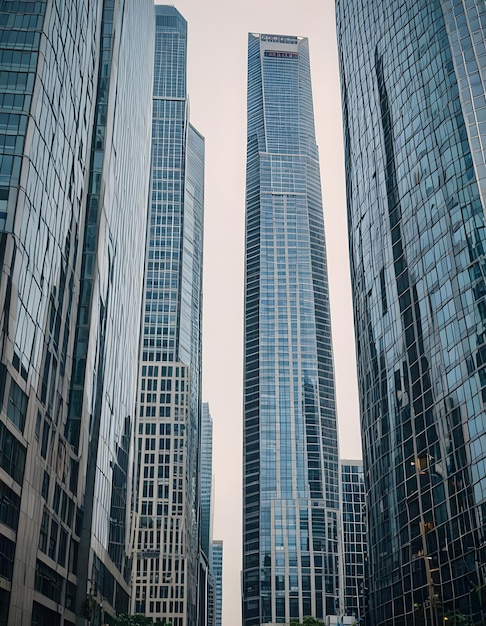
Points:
(290, 457)
(414, 107)
(166, 522)
(73, 80)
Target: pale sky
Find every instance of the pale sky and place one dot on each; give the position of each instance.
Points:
(217, 75)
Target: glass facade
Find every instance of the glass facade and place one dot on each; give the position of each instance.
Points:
(354, 539)
(217, 571)
(290, 457)
(206, 479)
(72, 208)
(414, 111)
(165, 522)
(206, 582)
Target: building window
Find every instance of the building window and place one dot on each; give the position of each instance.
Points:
(17, 406)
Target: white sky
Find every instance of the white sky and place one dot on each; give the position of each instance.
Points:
(217, 75)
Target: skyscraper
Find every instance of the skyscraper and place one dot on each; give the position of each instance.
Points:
(206, 580)
(217, 572)
(414, 108)
(73, 82)
(166, 530)
(206, 456)
(354, 538)
(290, 456)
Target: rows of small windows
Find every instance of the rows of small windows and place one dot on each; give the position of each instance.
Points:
(354, 533)
(166, 155)
(161, 492)
(158, 356)
(148, 509)
(20, 38)
(13, 102)
(50, 584)
(172, 523)
(160, 313)
(55, 542)
(18, 59)
(163, 411)
(169, 157)
(353, 496)
(30, 7)
(160, 337)
(168, 609)
(164, 371)
(168, 142)
(354, 552)
(164, 443)
(168, 133)
(149, 428)
(324, 606)
(162, 471)
(154, 542)
(352, 473)
(163, 398)
(163, 280)
(152, 458)
(175, 88)
(19, 19)
(162, 591)
(149, 395)
(21, 82)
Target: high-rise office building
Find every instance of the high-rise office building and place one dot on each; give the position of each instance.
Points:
(414, 112)
(354, 539)
(165, 531)
(211, 600)
(206, 456)
(217, 572)
(74, 79)
(206, 580)
(290, 457)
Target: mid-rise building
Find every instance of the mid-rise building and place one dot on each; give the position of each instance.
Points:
(75, 78)
(354, 539)
(414, 109)
(217, 572)
(166, 555)
(290, 455)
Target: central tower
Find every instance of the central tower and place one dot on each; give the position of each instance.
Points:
(167, 447)
(290, 456)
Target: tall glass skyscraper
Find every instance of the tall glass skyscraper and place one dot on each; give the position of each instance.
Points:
(414, 107)
(74, 77)
(206, 580)
(206, 456)
(166, 524)
(290, 458)
(354, 539)
(217, 572)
